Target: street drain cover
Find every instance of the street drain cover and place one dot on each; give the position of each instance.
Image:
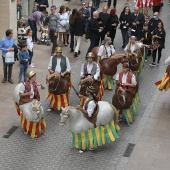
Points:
(10, 132)
(129, 150)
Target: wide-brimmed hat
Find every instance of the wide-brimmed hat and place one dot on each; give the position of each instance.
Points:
(90, 89)
(30, 74)
(90, 55)
(106, 39)
(58, 49)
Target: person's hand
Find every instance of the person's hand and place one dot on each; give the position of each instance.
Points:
(137, 22)
(134, 23)
(82, 76)
(80, 96)
(55, 34)
(62, 74)
(26, 60)
(42, 87)
(125, 84)
(29, 93)
(127, 24)
(12, 49)
(100, 30)
(78, 107)
(123, 22)
(113, 24)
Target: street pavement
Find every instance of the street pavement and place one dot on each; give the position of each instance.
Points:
(53, 150)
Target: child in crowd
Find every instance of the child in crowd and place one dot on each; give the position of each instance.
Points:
(24, 59)
(45, 34)
(146, 39)
(30, 45)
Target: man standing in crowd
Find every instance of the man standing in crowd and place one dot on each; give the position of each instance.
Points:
(94, 31)
(153, 23)
(34, 18)
(105, 19)
(137, 20)
(53, 21)
(6, 45)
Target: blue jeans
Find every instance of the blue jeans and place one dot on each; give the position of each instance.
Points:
(23, 71)
(33, 26)
(31, 55)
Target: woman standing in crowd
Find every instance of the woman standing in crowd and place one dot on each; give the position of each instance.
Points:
(113, 22)
(30, 45)
(78, 28)
(63, 27)
(91, 9)
(124, 25)
(71, 22)
(159, 37)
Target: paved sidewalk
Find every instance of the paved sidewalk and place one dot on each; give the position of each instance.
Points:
(152, 151)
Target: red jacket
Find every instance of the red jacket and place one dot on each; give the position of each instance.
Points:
(156, 2)
(144, 3)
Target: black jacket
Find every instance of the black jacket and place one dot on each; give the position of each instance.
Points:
(105, 20)
(93, 29)
(153, 23)
(78, 26)
(161, 33)
(113, 20)
(146, 34)
(124, 18)
(140, 18)
(43, 2)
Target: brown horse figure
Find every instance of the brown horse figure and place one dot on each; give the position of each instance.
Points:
(121, 101)
(108, 65)
(135, 62)
(60, 85)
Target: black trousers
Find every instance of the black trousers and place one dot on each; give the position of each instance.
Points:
(72, 40)
(125, 36)
(53, 40)
(159, 54)
(7, 69)
(156, 9)
(112, 35)
(114, 3)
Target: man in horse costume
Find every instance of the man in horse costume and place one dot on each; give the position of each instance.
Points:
(27, 102)
(29, 90)
(126, 80)
(106, 50)
(90, 71)
(59, 69)
(90, 107)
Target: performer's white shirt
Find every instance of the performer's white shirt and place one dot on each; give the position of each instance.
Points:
(90, 108)
(22, 89)
(30, 44)
(89, 69)
(167, 61)
(132, 47)
(58, 67)
(124, 78)
(110, 51)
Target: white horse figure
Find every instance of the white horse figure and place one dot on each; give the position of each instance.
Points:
(78, 122)
(32, 111)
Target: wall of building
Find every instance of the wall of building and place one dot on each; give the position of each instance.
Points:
(8, 17)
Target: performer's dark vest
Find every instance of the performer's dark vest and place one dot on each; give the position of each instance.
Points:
(93, 71)
(63, 64)
(92, 119)
(27, 99)
(128, 80)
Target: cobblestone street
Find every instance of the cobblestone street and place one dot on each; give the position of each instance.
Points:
(53, 150)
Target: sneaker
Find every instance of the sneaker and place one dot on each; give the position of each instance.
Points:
(11, 81)
(31, 65)
(82, 151)
(75, 54)
(79, 52)
(4, 80)
(146, 60)
(152, 64)
(91, 149)
(50, 110)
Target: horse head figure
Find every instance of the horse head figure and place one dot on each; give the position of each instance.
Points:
(95, 84)
(107, 65)
(59, 85)
(123, 100)
(134, 62)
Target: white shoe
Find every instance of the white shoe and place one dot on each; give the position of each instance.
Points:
(31, 65)
(26, 133)
(91, 149)
(49, 110)
(81, 151)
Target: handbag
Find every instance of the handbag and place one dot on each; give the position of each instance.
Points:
(155, 45)
(9, 57)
